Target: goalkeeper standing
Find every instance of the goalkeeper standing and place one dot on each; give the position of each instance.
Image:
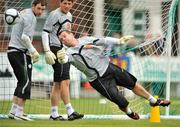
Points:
(21, 53)
(87, 54)
(58, 19)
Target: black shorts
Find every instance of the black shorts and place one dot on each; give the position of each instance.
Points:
(61, 71)
(107, 84)
(22, 67)
(121, 76)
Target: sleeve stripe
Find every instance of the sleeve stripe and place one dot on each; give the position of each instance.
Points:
(46, 30)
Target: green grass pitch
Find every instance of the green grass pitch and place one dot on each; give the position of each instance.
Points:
(94, 108)
(89, 123)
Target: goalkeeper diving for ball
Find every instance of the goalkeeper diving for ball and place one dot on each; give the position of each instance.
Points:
(87, 55)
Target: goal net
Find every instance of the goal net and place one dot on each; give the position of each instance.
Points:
(153, 56)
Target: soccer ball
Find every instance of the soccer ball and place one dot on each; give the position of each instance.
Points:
(11, 16)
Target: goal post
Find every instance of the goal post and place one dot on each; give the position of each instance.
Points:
(171, 24)
(156, 29)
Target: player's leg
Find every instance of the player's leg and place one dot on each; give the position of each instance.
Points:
(61, 89)
(61, 75)
(106, 86)
(14, 105)
(55, 98)
(55, 94)
(22, 67)
(65, 93)
(56, 89)
(64, 84)
(65, 96)
(129, 81)
(140, 91)
(25, 90)
(120, 77)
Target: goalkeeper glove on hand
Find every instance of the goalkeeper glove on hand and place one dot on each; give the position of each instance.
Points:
(34, 56)
(50, 57)
(125, 39)
(62, 57)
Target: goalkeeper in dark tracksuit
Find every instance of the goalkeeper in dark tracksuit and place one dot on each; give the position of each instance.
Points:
(87, 55)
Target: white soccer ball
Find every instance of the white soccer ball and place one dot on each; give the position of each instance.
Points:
(11, 16)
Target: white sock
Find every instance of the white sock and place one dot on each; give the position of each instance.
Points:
(19, 111)
(13, 108)
(129, 111)
(152, 99)
(69, 108)
(54, 111)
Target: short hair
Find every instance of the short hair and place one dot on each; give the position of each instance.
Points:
(43, 2)
(68, 0)
(64, 30)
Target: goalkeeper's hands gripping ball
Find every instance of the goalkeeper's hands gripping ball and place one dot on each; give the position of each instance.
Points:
(50, 57)
(62, 57)
(34, 56)
(125, 39)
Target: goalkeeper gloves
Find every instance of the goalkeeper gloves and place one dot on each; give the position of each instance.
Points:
(125, 39)
(62, 57)
(50, 57)
(34, 56)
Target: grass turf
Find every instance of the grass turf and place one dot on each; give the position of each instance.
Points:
(89, 123)
(89, 106)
